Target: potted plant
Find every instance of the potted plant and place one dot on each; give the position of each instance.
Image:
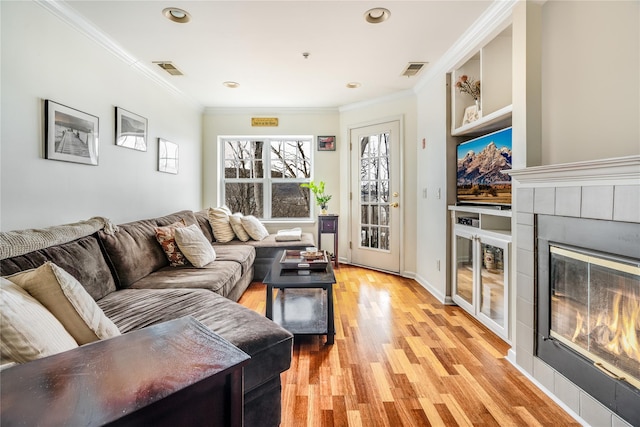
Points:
(318, 191)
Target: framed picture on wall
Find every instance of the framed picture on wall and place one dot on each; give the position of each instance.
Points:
(131, 130)
(70, 135)
(168, 157)
(326, 143)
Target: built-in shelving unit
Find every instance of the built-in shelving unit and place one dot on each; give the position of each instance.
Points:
(481, 235)
(492, 65)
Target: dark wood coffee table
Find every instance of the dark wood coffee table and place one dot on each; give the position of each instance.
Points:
(305, 300)
(169, 374)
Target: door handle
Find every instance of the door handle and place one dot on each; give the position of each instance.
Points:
(394, 204)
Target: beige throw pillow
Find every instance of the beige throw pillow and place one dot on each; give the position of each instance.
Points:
(68, 301)
(219, 220)
(254, 227)
(238, 228)
(28, 330)
(195, 246)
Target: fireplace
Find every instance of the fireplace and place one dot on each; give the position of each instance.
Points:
(588, 307)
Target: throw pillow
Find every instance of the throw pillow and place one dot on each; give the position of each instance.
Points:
(238, 228)
(166, 237)
(195, 246)
(29, 331)
(68, 301)
(219, 220)
(254, 227)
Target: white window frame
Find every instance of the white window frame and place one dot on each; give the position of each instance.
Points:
(266, 180)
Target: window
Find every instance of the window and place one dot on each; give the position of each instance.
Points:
(262, 176)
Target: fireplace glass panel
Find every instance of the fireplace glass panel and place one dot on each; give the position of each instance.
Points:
(595, 309)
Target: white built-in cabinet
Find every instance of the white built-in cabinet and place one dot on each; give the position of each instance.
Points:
(481, 236)
(481, 255)
(492, 65)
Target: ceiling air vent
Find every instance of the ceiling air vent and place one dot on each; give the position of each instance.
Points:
(169, 68)
(413, 68)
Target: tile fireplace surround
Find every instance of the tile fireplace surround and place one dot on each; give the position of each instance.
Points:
(604, 189)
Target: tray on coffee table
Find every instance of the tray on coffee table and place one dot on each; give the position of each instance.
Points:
(293, 259)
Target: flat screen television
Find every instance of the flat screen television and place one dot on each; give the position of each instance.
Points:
(480, 178)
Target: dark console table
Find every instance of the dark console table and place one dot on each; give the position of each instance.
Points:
(174, 373)
(328, 224)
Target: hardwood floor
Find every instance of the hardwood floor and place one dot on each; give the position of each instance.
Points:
(401, 358)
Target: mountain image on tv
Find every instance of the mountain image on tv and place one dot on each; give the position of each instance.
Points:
(480, 170)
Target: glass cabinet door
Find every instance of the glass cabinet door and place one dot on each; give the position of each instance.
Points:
(493, 283)
(464, 254)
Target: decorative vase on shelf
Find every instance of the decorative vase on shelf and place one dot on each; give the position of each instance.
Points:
(323, 209)
(478, 107)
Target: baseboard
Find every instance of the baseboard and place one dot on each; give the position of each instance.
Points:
(511, 358)
(434, 291)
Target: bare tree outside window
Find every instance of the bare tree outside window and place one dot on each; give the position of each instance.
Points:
(374, 191)
(250, 189)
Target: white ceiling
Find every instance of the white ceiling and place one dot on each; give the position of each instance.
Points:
(259, 44)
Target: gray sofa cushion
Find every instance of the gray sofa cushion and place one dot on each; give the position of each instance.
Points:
(267, 249)
(268, 344)
(242, 254)
(82, 258)
(218, 276)
(134, 251)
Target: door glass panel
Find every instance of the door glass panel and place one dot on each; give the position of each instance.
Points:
(375, 187)
(374, 215)
(364, 236)
(364, 209)
(384, 238)
(492, 283)
(464, 268)
(384, 215)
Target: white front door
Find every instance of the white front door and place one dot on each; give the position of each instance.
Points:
(375, 196)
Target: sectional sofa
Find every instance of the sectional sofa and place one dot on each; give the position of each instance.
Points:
(126, 271)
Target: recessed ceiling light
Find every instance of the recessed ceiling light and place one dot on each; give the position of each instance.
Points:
(377, 15)
(176, 15)
(231, 85)
(353, 85)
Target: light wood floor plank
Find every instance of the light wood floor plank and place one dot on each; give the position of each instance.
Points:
(401, 358)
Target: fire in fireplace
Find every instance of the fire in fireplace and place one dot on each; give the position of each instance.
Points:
(595, 310)
(588, 307)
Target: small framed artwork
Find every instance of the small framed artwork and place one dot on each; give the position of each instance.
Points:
(70, 134)
(326, 143)
(167, 156)
(131, 130)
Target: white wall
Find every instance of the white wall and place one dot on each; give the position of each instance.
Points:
(224, 122)
(378, 112)
(432, 213)
(44, 58)
(590, 84)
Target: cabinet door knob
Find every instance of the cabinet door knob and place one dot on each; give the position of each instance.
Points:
(394, 204)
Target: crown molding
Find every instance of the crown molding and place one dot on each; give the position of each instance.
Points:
(75, 20)
(496, 18)
(269, 111)
(375, 101)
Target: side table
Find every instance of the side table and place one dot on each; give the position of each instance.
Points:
(328, 224)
